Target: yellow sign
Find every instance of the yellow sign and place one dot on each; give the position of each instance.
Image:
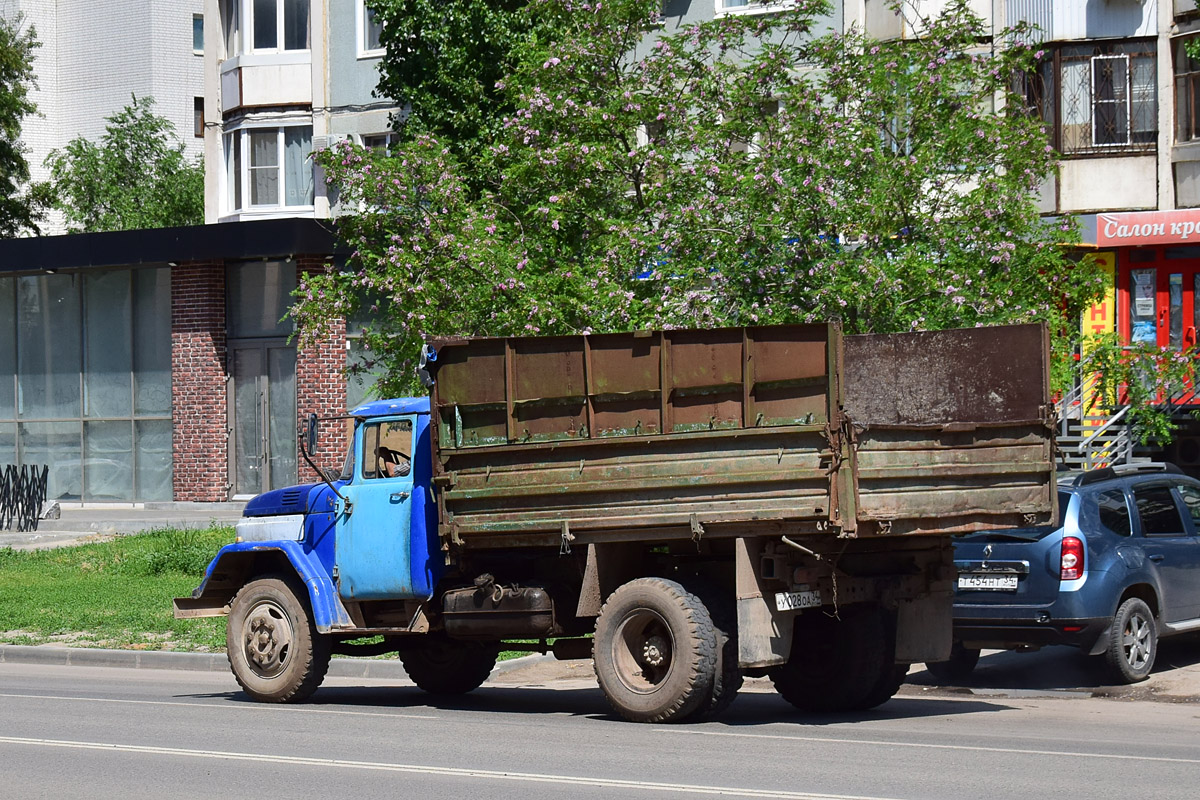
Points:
(1099, 319)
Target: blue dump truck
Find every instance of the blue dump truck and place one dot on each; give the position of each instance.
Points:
(684, 507)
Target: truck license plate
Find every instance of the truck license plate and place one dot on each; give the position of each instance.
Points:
(791, 601)
(997, 583)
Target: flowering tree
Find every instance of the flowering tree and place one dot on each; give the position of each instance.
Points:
(745, 170)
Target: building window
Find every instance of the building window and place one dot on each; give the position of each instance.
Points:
(370, 31)
(750, 6)
(269, 167)
(1098, 99)
(198, 117)
(379, 141)
(279, 25)
(198, 34)
(1187, 93)
(231, 27)
(271, 26)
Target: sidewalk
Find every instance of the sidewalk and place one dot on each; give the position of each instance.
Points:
(81, 524)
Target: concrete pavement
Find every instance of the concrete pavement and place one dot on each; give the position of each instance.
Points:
(76, 524)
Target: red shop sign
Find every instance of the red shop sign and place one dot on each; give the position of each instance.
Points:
(1148, 227)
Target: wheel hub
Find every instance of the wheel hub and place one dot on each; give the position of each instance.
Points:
(1137, 642)
(267, 635)
(654, 651)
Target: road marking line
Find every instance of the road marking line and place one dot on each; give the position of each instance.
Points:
(927, 746)
(309, 709)
(453, 772)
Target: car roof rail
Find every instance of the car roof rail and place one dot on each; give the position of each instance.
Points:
(1124, 470)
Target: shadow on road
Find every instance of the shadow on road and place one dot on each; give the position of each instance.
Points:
(750, 708)
(1060, 668)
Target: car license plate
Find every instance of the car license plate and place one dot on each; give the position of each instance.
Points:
(993, 582)
(790, 601)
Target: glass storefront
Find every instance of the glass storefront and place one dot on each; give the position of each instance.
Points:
(85, 382)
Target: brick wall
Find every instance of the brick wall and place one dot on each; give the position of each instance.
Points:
(198, 402)
(320, 382)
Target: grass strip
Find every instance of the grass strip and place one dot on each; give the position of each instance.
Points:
(113, 594)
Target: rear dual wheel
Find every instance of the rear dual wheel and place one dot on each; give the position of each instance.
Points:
(656, 652)
(840, 663)
(443, 666)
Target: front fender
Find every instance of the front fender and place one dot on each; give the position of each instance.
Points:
(237, 564)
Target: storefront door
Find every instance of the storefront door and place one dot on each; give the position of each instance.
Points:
(263, 416)
(1162, 306)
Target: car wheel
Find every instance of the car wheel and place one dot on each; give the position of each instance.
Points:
(958, 667)
(1132, 642)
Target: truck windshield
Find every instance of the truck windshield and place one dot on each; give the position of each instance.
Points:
(348, 464)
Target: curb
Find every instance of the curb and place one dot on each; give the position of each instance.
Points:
(340, 667)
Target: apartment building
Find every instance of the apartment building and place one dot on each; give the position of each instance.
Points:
(159, 365)
(95, 56)
(283, 77)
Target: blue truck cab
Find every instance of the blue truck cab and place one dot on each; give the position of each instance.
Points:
(368, 534)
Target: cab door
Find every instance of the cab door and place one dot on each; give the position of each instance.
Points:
(374, 529)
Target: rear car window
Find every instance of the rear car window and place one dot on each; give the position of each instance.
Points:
(1114, 511)
(1157, 510)
(1191, 499)
(1030, 534)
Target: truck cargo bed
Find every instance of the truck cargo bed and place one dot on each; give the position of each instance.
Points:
(736, 432)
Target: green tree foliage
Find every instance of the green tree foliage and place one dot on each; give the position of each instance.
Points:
(1152, 381)
(444, 60)
(18, 212)
(750, 169)
(137, 176)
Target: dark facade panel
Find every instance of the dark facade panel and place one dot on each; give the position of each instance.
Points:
(231, 241)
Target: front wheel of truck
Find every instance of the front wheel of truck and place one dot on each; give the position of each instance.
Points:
(655, 651)
(274, 649)
(443, 666)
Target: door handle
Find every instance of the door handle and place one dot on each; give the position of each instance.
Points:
(399, 497)
(1156, 557)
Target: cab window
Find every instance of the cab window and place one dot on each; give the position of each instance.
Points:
(387, 449)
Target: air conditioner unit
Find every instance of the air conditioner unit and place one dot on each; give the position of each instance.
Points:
(324, 142)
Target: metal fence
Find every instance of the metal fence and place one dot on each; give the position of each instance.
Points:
(22, 495)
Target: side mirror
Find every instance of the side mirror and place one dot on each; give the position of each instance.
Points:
(310, 433)
(426, 366)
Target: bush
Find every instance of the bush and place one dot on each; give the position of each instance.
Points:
(169, 551)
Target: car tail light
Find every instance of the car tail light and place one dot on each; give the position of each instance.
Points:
(1071, 565)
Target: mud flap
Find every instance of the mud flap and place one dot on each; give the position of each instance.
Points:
(924, 629)
(764, 634)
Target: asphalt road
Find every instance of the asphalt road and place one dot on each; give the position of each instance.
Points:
(101, 732)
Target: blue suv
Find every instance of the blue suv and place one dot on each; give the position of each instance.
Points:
(1121, 571)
